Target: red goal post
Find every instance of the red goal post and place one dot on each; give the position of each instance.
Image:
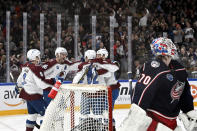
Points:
(80, 107)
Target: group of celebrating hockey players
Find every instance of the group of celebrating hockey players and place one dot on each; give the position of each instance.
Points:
(37, 78)
(161, 95)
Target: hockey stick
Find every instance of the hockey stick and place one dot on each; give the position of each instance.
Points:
(18, 88)
(13, 81)
(130, 85)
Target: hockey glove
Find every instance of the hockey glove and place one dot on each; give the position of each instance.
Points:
(189, 120)
(60, 79)
(18, 89)
(54, 80)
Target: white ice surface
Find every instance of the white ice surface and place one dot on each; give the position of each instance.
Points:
(17, 122)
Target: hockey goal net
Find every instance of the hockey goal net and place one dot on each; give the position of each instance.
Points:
(79, 107)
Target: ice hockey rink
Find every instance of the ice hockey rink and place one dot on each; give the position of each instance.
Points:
(17, 122)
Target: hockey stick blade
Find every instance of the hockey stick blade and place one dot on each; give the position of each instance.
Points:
(37, 126)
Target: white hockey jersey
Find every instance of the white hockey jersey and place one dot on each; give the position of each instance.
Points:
(53, 69)
(103, 71)
(32, 81)
(106, 76)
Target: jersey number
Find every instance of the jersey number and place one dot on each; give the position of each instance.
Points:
(24, 76)
(144, 79)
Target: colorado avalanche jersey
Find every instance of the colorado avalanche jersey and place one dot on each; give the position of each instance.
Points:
(163, 90)
(97, 72)
(32, 81)
(106, 73)
(53, 69)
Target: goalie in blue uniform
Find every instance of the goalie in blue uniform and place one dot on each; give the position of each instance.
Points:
(161, 92)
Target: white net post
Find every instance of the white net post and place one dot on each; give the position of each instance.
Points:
(112, 21)
(80, 107)
(8, 46)
(42, 34)
(58, 30)
(24, 36)
(94, 32)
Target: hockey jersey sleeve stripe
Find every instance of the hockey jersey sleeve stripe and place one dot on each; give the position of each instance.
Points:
(180, 69)
(150, 84)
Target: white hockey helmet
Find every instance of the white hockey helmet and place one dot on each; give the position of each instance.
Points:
(163, 46)
(90, 54)
(60, 50)
(32, 54)
(102, 52)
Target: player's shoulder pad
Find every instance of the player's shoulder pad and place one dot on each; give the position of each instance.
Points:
(80, 66)
(176, 65)
(179, 69)
(25, 65)
(153, 67)
(71, 63)
(37, 70)
(49, 64)
(67, 62)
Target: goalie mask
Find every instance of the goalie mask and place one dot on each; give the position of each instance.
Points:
(164, 46)
(102, 52)
(32, 54)
(60, 50)
(90, 54)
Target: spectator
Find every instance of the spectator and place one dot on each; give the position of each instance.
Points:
(189, 31)
(178, 35)
(144, 19)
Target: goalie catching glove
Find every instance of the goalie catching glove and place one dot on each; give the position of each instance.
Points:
(189, 120)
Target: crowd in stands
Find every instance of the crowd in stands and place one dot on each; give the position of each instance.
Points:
(175, 19)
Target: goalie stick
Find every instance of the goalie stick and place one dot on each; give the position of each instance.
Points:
(18, 88)
(130, 85)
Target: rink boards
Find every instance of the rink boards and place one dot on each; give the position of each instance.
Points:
(10, 104)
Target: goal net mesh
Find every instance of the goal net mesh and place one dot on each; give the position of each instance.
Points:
(79, 107)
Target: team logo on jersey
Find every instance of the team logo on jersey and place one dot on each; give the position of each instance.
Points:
(177, 90)
(169, 77)
(57, 67)
(155, 64)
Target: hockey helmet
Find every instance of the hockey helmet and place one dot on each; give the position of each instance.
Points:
(90, 54)
(61, 50)
(32, 54)
(102, 52)
(163, 46)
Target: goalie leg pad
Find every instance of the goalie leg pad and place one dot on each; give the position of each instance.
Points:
(137, 120)
(189, 120)
(162, 127)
